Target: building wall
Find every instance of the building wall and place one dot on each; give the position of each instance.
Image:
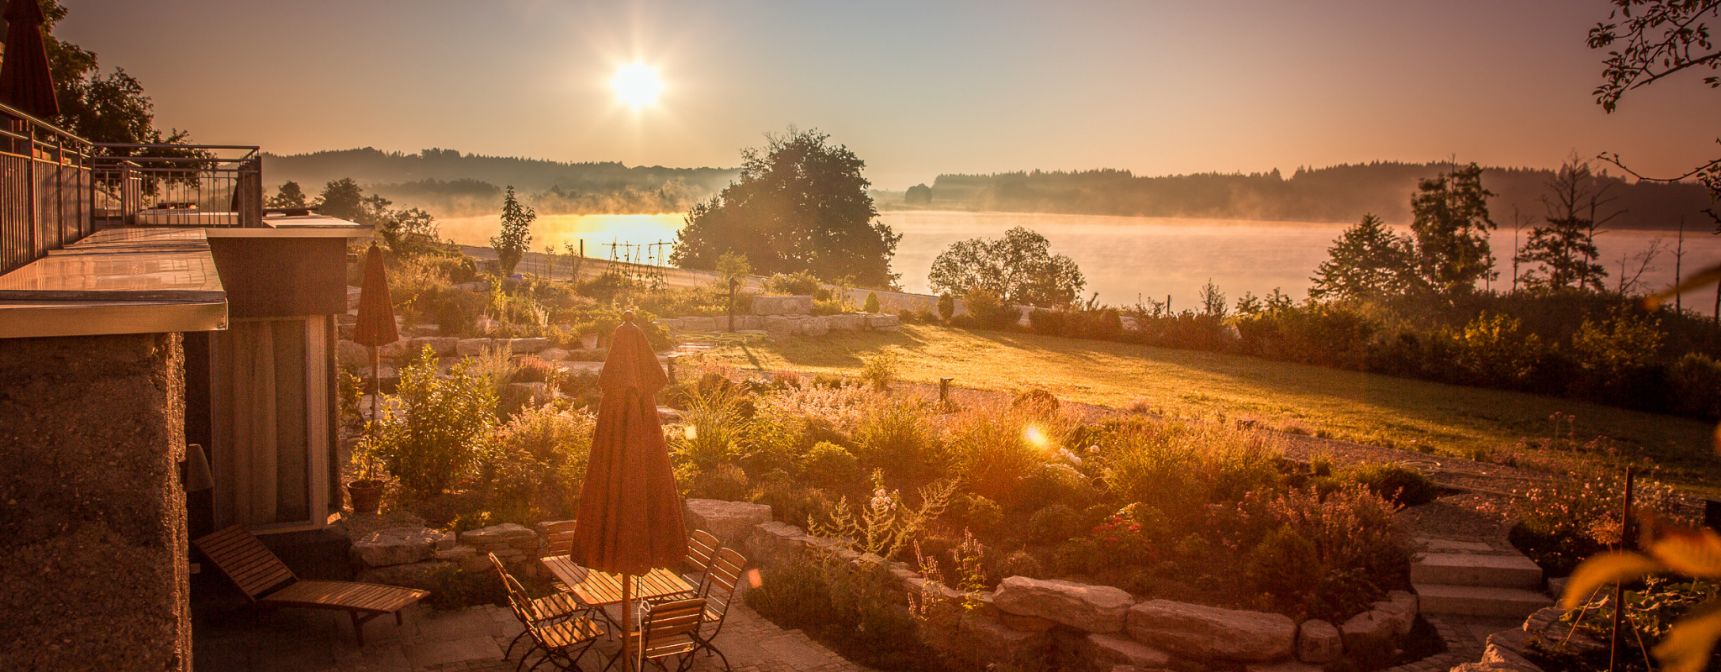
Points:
(93, 570)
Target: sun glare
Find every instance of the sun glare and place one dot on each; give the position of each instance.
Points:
(637, 85)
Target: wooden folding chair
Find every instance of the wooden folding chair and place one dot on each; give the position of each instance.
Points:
(267, 582)
(702, 546)
(531, 611)
(666, 631)
(722, 582)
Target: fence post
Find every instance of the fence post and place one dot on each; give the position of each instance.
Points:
(1619, 586)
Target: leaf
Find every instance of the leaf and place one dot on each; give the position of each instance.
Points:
(1687, 645)
(1695, 553)
(1702, 278)
(1602, 569)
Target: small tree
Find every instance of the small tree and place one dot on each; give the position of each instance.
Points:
(919, 194)
(1451, 228)
(1019, 268)
(1366, 261)
(732, 267)
(433, 428)
(289, 195)
(871, 305)
(515, 237)
(342, 198)
(946, 306)
(1564, 248)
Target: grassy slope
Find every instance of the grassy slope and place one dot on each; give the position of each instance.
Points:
(1369, 408)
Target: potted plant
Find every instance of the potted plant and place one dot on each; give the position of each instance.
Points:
(365, 490)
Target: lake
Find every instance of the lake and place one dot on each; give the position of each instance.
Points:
(1123, 257)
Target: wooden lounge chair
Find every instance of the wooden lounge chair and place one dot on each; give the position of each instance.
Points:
(267, 582)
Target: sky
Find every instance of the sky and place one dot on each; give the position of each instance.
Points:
(914, 88)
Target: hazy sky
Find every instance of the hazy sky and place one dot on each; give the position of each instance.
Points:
(915, 88)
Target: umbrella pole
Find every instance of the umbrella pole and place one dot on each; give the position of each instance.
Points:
(627, 620)
(375, 381)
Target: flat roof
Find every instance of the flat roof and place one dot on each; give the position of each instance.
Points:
(116, 281)
(294, 226)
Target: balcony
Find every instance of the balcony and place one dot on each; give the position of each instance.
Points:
(44, 187)
(203, 186)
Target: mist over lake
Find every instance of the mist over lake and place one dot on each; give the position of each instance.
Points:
(1123, 257)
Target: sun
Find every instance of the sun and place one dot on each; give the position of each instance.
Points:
(637, 85)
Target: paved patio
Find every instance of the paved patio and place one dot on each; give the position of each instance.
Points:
(236, 637)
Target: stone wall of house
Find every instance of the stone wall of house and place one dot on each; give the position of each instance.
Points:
(93, 571)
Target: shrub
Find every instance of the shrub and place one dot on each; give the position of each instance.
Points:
(880, 370)
(433, 429)
(724, 481)
(712, 428)
(1562, 521)
(1020, 563)
(1054, 524)
(988, 311)
(1177, 467)
(797, 283)
(1695, 386)
(946, 306)
(1398, 484)
(871, 305)
(1036, 402)
(1493, 349)
(1285, 565)
(831, 465)
(894, 436)
(1079, 555)
(792, 503)
(536, 465)
(976, 513)
(1357, 543)
(985, 445)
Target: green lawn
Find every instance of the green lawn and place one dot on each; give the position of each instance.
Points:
(1369, 408)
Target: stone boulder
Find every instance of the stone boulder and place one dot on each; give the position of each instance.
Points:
(782, 305)
(471, 347)
(732, 522)
(998, 643)
(815, 326)
(396, 351)
(1508, 649)
(1319, 642)
(1369, 635)
(846, 322)
(1399, 607)
(395, 546)
(443, 346)
(773, 542)
(467, 557)
(1282, 666)
(778, 326)
(1078, 605)
(1107, 651)
(883, 322)
(553, 354)
(1211, 632)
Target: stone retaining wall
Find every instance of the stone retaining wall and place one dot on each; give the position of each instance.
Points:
(1100, 627)
(779, 326)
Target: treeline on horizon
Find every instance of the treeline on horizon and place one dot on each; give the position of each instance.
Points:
(449, 183)
(1341, 193)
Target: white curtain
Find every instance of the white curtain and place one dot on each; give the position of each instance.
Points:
(242, 374)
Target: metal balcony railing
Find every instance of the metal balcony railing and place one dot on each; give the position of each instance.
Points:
(177, 185)
(44, 188)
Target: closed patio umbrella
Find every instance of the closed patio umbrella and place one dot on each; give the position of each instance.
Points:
(26, 83)
(376, 317)
(629, 518)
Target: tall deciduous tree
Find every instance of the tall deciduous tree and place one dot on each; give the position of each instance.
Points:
(342, 198)
(1018, 268)
(1366, 261)
(1451, 228)
(515, 237)
(100, 106)
(1651, 40)
(1563, 248)
(800, 204)
(289, 195)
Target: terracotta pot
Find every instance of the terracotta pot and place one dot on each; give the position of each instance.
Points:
(366, 496)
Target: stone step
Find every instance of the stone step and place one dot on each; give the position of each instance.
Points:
(1476, 569)
(1438, 599)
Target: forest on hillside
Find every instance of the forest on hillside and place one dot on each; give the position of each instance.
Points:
(1341, 193)
(452, 184)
